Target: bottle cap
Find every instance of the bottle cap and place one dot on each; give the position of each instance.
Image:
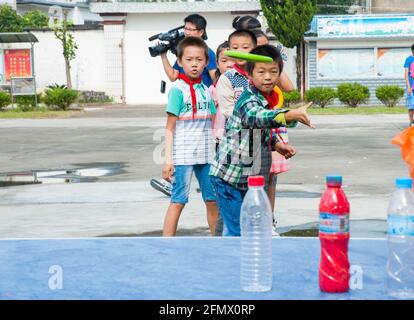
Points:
(256, 181)
(405, 183)
(334, 180)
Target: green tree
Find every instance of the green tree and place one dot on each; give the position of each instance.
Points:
(69, 46)
(289, 20)
(35, 19)
(10, 21)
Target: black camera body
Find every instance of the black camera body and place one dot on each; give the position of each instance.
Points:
(172, 38)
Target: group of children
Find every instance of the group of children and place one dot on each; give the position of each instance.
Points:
(228, 132)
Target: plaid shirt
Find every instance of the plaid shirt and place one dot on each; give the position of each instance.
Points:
(245, 149)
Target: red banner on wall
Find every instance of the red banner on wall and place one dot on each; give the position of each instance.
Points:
(17, 63)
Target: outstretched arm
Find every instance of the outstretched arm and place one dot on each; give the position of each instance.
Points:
(301, 115)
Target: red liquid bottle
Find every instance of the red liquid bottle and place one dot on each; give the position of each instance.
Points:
(334, 236)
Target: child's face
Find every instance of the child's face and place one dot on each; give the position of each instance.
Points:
(241, 43)
(265, 76)
(193, 61)
(224, 63)
(262, 40)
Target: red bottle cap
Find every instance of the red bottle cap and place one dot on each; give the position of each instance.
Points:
(256, 181)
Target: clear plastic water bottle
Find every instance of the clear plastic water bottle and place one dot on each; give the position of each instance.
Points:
(400, 266)
(256, 238)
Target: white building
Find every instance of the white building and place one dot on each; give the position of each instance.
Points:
(77, 10)
(131, 74)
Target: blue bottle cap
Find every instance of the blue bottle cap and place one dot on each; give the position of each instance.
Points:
(404, 183)
(334, 180)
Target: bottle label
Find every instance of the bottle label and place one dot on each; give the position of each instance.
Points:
(400, 225)
(332, 223)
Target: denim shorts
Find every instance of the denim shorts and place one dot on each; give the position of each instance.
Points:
(410, 101)
(229, 201)
(182, 181)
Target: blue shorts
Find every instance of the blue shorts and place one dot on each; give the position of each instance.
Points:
(182, 182)
(410, 101)
(229, 201)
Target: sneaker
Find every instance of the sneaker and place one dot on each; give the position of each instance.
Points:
(161, 186)
(412, 124)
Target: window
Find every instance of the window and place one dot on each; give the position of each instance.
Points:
(361, 63)
(346, 63)
(390, 62)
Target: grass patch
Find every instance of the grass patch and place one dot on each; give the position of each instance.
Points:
(358, 110)
(38, 114)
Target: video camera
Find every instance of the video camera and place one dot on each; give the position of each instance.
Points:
(172, 37)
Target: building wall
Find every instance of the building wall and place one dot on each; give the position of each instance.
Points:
(87, 68)
(392, 6)
(143, 73)
(371, 83)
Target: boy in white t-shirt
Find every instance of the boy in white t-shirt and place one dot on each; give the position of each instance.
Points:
(189, 141)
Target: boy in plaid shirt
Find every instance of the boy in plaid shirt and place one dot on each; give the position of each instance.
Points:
(246, 146)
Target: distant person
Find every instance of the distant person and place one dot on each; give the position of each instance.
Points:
(409, 81)
(194, 26)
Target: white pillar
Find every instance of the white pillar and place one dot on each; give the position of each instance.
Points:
(114, 25)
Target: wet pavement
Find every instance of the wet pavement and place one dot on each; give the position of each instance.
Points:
(93, 171)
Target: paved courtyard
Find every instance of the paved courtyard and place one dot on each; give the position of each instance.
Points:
(129, 137)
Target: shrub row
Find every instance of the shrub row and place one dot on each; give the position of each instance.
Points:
(56, 97)
(350, 94)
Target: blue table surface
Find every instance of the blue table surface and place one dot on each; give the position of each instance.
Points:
(173, 268)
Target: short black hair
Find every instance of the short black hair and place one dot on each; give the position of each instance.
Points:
(191, 41)
(412, 47)
(199, 21)
(268, 51)
(246, 22)
(243, 33)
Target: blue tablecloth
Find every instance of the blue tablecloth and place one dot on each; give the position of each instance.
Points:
(173, 268)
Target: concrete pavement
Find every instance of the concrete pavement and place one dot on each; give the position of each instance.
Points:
(358, 147)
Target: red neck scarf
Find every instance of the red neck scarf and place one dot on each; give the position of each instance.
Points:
(240, 70)
(272, 98)
(192, 91)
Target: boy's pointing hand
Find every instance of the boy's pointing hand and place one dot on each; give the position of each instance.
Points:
(301, 115)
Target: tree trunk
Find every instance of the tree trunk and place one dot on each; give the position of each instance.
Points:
(68, 78)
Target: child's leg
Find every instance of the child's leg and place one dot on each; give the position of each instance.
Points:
(202, 174)
(410, 106)
(179, 197)
(218, 231)
(171, 219)
(212, 215)
(229, 200)
(271, 191)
